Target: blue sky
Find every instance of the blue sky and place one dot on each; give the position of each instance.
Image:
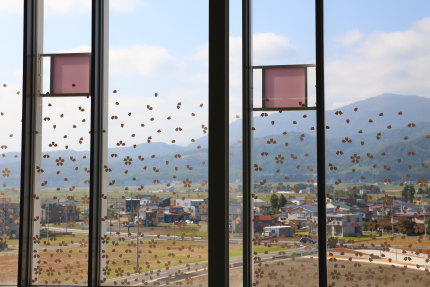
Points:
(372, 47)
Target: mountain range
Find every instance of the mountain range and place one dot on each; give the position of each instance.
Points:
(389, 131)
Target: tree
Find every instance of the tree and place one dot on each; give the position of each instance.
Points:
(281, 186)
(425, 191)
(408, 193)
(274, 202)
(282, 200)
(405, 226)
(300, 186)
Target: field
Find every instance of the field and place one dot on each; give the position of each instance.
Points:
(303, 272)
(66, 264)
(63, 258)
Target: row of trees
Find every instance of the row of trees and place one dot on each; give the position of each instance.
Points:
(276, 202)
(408, 193)
(269, 187)
(404, 226)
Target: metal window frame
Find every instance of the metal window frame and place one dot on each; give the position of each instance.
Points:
(263, 90)
(51, 88)
(218, 143)
(320, 117)
(33, 23)
(99, 129)
(218, 139)
(247, 137)
(247, 181)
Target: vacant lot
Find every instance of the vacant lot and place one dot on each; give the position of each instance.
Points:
(8, 267)
(303, 272)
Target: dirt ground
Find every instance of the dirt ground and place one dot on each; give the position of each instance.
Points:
(9, 272)
(303, 272)
(64, 265)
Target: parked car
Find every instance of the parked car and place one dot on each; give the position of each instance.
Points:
(305, 240)
(277, 231)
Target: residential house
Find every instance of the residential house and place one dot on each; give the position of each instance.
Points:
(337, 206)
(150, 214)
(304, 216)
(260, 206)
(288, 207)
(164, 201)
(261, 221)
(192, 206)
(299, 200)
(146, 201)
(347, 200)
(9, 218)
(59, 210)
(235, 216)
(344, 225)
(175, 213)
(132, 205)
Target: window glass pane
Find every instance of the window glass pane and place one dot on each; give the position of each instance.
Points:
(284, 147)
(377, 102)
(11, 15)
(157, 196)
(60, 225)
(61, 231)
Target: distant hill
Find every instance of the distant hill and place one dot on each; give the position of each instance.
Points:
(391, 146)
(414, 109)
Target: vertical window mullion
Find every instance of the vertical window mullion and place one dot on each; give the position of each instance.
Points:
(322, 232)
(246, 140)
(98, 151)
(31, 136)
(218, 142)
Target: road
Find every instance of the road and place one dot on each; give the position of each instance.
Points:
(182, 272)
(133, 235)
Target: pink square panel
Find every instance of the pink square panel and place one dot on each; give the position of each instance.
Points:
(70, 74)
(284, 87)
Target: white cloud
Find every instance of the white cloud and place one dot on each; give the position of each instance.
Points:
(164, 105)
(271, 48)
(55, 7)
(10, 6)
(10, 117)
(382, 62)
(144, 60)
(124, 5)
(350, 37)
(78, 49)
(268, 48)
(62, 7)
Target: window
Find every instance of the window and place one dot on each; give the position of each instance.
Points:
(284, 142)
(207, 146)
(157, 146)
(10, 138)
(376, 108)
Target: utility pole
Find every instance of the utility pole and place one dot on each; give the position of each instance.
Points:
(137, 241)
(67, 221)
(392, 215)
(424, 213)
(110, 221)
(47, 222)
(119, 223)
(4, 216)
